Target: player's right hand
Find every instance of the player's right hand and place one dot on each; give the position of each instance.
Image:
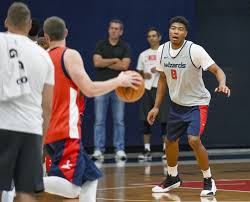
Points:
(152, 115)
(130, 79)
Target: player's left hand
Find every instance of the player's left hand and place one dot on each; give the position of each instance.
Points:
(223, 89)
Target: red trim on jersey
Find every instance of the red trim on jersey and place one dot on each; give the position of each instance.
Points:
(203, 117)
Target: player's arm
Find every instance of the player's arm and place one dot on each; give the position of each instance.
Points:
(201, 59)
(161, 92)
(121, 65)
(100, 62)
(47, 96)
(221, 78)
(74, 66)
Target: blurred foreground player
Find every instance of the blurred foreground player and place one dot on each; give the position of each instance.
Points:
(26, 89)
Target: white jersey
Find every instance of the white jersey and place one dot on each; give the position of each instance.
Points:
(183, 70)
(24, 113)
(146, 61)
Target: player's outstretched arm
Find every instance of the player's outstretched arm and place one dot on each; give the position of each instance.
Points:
(221, 78)
(75, 67)
(161, 92)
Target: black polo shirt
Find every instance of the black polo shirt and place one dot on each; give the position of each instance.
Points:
(106, 50)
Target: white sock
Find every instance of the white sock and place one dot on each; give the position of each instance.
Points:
(206, 173)
(147, 146)
(61, 187)
(173, 171)
(88, 191)
(8, 196)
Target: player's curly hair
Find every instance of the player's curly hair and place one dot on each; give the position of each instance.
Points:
(179, 19)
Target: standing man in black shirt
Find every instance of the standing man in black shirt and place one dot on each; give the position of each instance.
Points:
(111, 56)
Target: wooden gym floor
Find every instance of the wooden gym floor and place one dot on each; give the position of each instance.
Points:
(132, 182)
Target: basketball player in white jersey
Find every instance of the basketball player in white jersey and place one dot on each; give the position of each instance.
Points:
(181, 63)
(23, 118)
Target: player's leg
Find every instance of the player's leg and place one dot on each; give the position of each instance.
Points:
(88, 191)
(64, 155)
(198, 119)
(172, 180)
(71, 168)
(10, 145)
(176, 128)
(89, 174)
(8, 196)
(28, 174)
(199, 151)
(164, 140)
(61, 187)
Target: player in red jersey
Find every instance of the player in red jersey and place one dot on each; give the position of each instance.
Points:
(72, 173)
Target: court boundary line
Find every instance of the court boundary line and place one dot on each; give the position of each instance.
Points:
(191, 162)
(109, 199)
(146, 186)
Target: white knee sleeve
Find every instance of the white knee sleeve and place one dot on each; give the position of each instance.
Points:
(61, 187)
(8, 196)
(88, 191)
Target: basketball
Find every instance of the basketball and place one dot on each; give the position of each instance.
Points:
(128, 94)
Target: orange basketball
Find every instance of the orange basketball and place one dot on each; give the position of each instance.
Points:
(128, 94)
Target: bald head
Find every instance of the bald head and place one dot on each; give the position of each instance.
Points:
(55, 28)
(19, 16)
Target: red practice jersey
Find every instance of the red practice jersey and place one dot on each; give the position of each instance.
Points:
(67, 103)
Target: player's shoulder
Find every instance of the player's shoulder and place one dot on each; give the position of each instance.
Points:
(72, 55)
(162, 46)
(197, 50)
(196, 47)
(71, 52)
